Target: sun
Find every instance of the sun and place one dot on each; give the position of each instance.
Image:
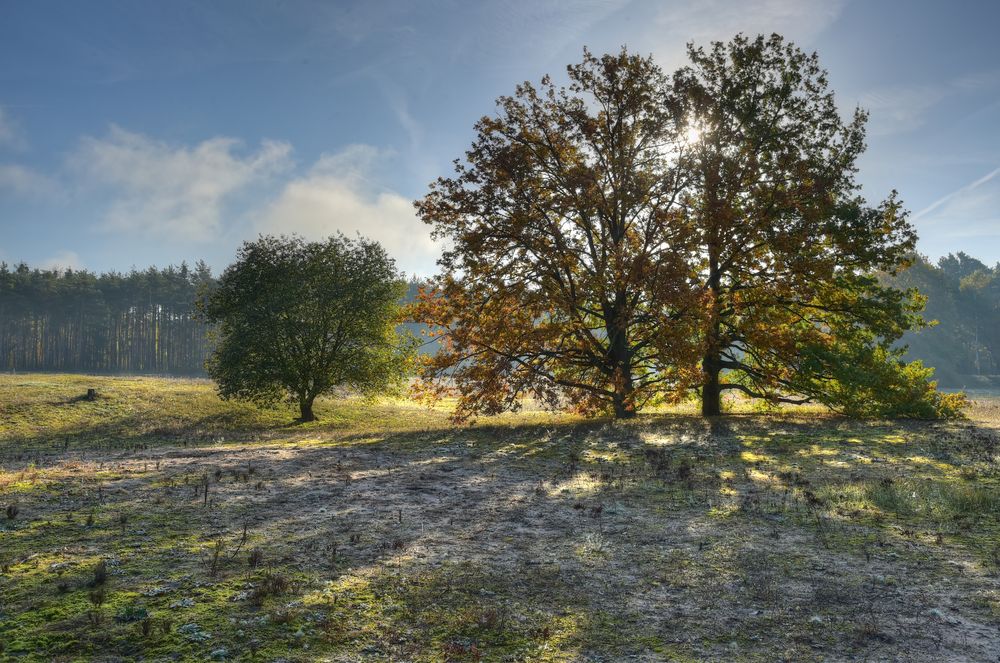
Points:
(692, 135)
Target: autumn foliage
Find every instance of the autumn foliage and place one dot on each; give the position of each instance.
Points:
(632, 237)
(567, 278)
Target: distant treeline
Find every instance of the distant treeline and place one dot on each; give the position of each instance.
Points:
(963, 295)
(145, 322)
(78, 321)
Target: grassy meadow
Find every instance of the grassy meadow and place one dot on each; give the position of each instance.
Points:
(160, 523)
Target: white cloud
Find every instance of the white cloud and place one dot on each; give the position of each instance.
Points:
(168, 191)
(62, 260)
(337, 195)
(24, 181)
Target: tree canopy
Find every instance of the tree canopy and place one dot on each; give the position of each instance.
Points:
(568, 278)
(787, 249)
(298, 319)
(633, 236)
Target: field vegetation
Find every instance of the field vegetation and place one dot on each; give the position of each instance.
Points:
(157, 522)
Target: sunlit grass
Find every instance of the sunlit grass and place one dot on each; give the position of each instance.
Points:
(531, 536)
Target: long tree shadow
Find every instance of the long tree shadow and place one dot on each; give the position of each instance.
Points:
(664, 537)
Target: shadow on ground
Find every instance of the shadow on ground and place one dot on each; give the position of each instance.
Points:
(747, 538)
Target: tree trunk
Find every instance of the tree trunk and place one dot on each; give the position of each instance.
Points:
(620, 356)
(624, 406)
(624, 410)
(306, 409)
(711, 393)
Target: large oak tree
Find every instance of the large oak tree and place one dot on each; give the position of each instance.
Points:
(631, 237)
(566, 277)
(788, 251)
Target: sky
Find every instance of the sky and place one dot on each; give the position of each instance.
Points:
(137, 133)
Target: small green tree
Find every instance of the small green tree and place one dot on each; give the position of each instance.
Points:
(298, 319)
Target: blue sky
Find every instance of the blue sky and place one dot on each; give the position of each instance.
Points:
(136, 133)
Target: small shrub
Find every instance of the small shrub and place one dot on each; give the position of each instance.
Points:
(890, 496)
(684, 470)
(993, 559)
(214, 558)
(659, 462)
(971, 500)
(491, 619)
(270, 584)
(97, 598)
(100, 574)
(395, 543)
(760, 575)
(255, 558)
(283, 617)
(458, 650)
(131, 613)
(11, 511)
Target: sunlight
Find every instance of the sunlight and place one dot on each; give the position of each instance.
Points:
(692, 135)
(482, 342)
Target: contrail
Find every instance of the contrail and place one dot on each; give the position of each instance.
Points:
(968, 187)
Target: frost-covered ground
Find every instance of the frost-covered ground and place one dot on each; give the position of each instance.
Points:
(385, 533)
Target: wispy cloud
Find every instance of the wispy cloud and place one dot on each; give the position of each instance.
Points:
(964, 199)
(339, 194)
(978, 81)
(899, 109)
(24, 181)
(173, 191)
(396, 99)
(967, 219)
(11, 136)
(62, 260)
(541, 28)
(711, 20)
(18, 179)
